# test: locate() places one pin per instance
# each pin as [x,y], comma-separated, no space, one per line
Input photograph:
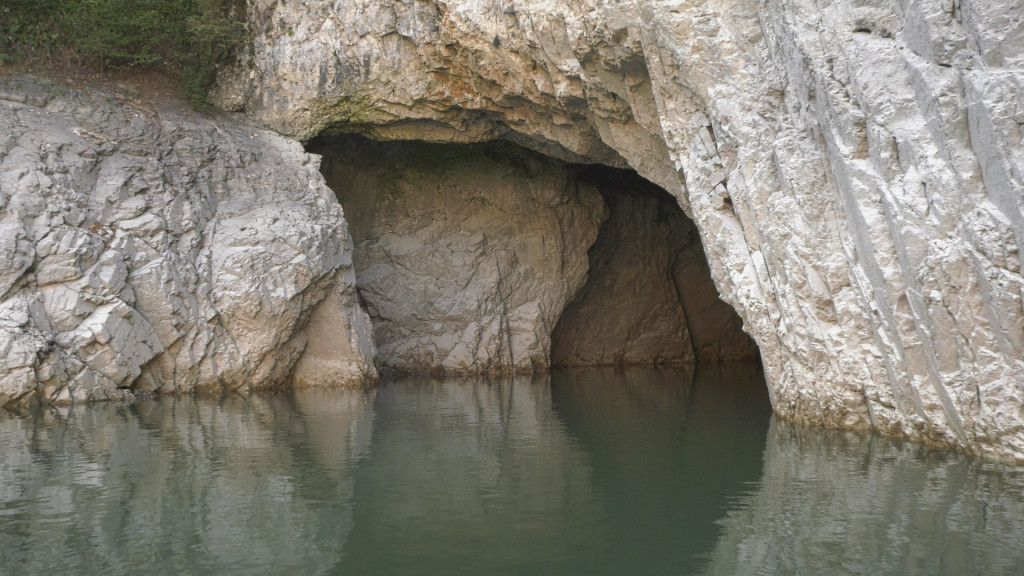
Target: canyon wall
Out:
[854,168]
[158,251]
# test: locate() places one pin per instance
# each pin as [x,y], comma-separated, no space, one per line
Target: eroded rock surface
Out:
[854,168]
[144,250]
[465,256]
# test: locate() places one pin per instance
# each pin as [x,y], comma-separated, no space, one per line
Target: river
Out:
[596,471]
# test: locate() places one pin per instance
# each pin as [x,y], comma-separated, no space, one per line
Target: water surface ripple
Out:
[579,472]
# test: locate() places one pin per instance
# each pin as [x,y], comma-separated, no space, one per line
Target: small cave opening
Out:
[491,258]
[649,299]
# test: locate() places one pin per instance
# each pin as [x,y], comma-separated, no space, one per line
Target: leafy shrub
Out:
[24,25]
[187,37]
[216,36]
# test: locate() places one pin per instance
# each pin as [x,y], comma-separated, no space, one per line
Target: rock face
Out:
[649,299]
[465,256]
[160,251]
[854,168]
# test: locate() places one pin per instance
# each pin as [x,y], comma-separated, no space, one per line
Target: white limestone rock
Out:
[162,251]
[855,169]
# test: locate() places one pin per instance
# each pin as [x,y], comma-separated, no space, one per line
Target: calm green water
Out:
[582,472]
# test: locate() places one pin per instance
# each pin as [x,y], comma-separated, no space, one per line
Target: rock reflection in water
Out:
[581,472]
[834,502]
[588,471]
[472,476]
[670,449]
[241,486]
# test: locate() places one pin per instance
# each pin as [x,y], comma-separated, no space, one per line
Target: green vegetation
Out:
[188,38]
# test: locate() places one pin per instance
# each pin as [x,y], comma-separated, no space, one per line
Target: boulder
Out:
[149,249]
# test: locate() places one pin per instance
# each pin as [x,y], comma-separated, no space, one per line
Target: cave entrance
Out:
[491,258]
[649,299]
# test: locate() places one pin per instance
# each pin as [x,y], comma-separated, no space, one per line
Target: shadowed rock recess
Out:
[490,258]
[649,298]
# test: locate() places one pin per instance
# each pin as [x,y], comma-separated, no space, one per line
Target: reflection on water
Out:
[668,452]
[835,502]
[594,471]
[242,486]
[472,477]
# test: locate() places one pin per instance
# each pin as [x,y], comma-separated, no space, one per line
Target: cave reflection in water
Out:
[584,471]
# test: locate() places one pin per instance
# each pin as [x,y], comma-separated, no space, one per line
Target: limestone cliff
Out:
[145,250]
[855,168]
